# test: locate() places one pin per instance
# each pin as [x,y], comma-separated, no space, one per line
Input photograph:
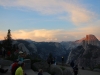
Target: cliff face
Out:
[75,54]
[88,54]
[90,57]
[87,58]
[90,39]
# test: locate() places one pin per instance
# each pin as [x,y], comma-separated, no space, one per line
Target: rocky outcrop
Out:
[58,70]
[22,47]
[75,54]
[89,57]
[40,65]
[90,39]
[87,53]
[27,64]
[33,47]
[5,62]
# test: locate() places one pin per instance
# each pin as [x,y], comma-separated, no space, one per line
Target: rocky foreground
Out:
[81,72]
[54,68]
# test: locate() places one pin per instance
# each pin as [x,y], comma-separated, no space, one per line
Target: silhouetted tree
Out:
[7,42]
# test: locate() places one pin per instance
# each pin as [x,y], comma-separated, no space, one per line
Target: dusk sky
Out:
[50,20]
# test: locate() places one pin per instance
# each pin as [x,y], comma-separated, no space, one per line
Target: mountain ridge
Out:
[58,49]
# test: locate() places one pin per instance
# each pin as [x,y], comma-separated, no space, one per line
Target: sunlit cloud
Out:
[53,35]
[69,10]
[72,10]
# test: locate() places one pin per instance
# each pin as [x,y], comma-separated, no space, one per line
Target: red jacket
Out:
[14,66]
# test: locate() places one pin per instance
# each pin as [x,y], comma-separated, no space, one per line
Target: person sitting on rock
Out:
[20,57]
[14,67]
[19,70]
[40,72]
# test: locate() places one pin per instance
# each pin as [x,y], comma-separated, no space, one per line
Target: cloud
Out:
[80,16]
[54,35]
[67,9]
[37,35]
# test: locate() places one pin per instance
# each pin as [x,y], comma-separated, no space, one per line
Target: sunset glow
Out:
[50,20]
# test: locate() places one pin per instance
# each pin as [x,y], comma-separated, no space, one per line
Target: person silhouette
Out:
[75,69]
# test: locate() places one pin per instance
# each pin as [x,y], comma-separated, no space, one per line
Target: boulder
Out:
[5,62]
[40,65]
[27,64]
[67,72]
[55,70]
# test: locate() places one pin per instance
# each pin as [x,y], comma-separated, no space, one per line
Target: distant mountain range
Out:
[78,51]
[43,49]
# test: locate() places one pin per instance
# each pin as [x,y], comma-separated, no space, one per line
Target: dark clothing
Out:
[75,69]
[40,73]
[14,67]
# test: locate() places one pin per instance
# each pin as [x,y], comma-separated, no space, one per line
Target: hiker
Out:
[20,57]
[40,72]
[3,70]
[19,70]
[75,70]
[14,67]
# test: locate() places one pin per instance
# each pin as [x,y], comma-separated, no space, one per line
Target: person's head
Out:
[21,53]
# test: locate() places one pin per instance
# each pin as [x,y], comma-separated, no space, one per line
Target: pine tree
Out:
[7,42]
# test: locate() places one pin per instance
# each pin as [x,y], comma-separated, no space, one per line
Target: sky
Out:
[50,20]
